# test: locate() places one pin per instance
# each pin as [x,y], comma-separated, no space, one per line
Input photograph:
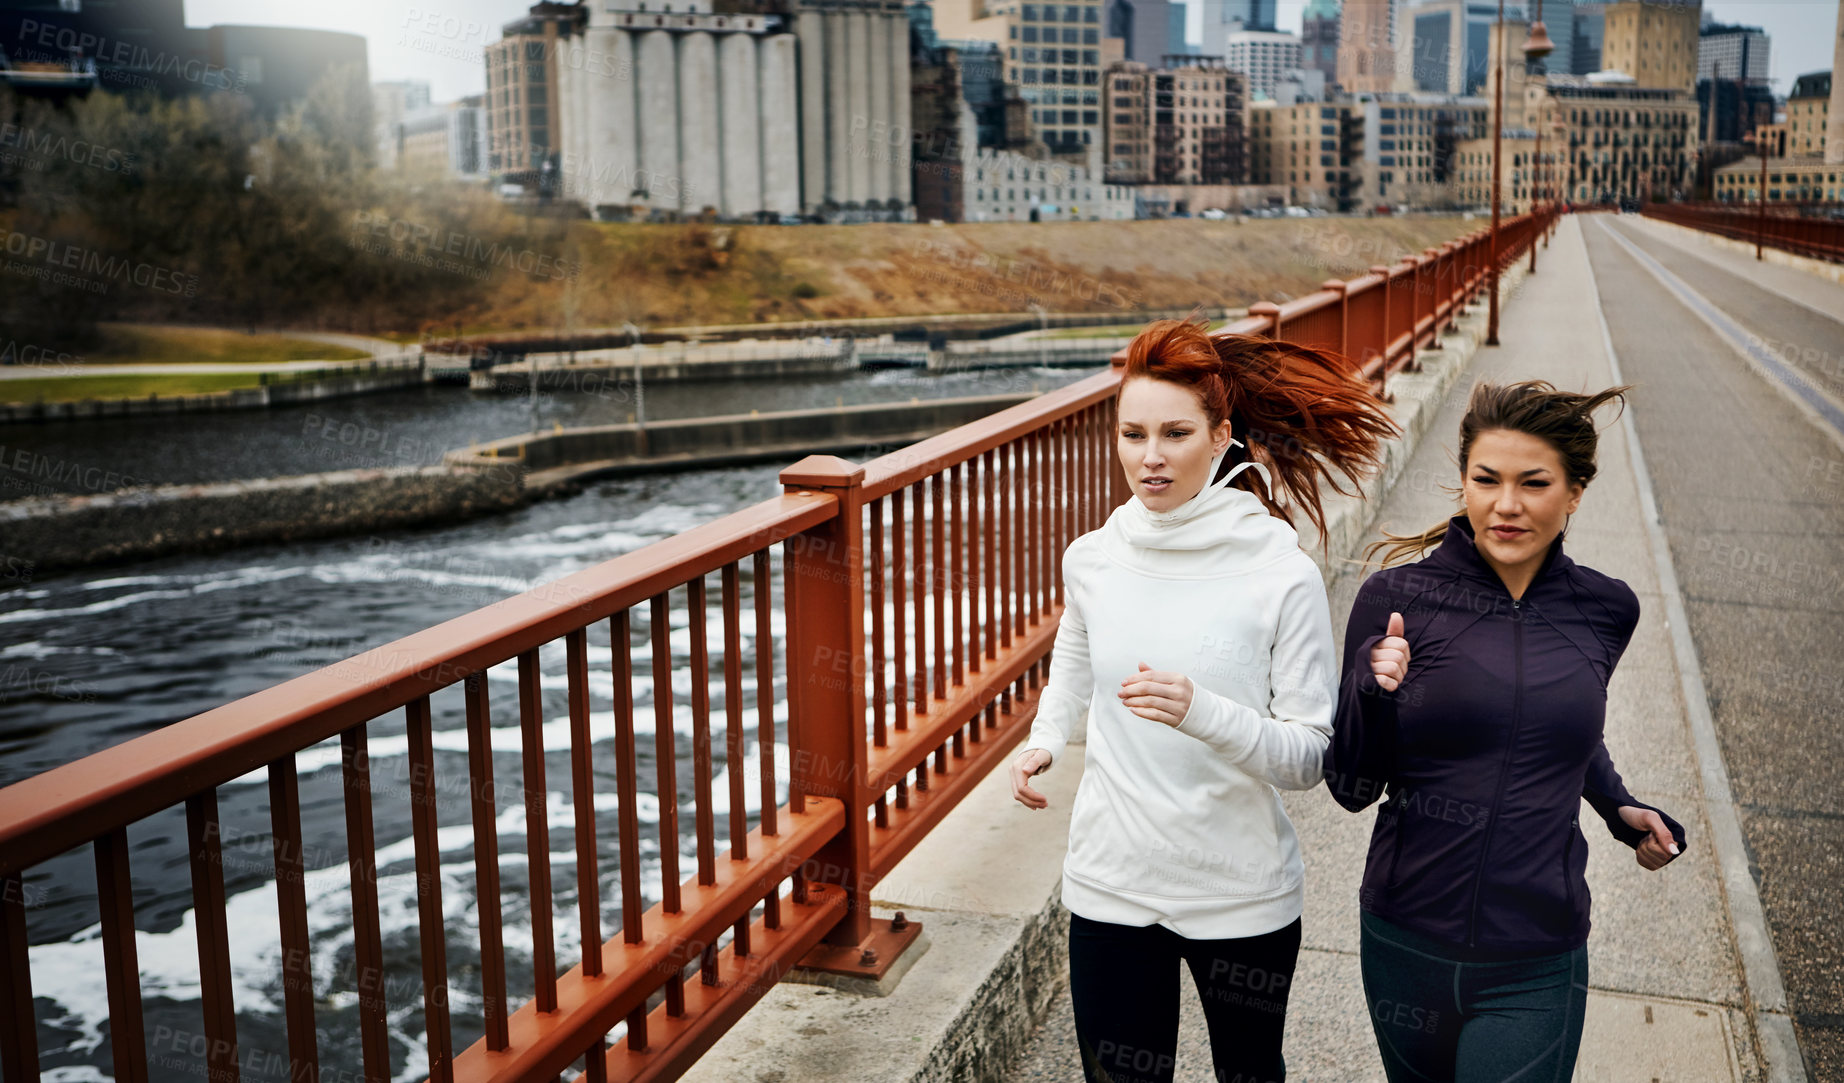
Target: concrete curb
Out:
[1775,1041]
[987,882]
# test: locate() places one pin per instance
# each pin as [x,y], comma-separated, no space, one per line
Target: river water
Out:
[92,658]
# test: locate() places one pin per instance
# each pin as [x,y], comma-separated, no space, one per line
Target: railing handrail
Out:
[895,470]
[67,806]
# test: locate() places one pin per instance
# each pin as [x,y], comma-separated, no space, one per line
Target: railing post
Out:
[1382,272]
[1270,311]
[826,672]
[1337,285]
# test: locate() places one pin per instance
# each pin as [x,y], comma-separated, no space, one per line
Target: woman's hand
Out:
[1032,761]
[1389,659]
[1160,696]
[1658,849]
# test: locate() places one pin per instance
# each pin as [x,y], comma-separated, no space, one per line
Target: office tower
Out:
[1260,55]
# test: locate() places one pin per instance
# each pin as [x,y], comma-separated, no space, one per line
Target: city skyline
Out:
[442,41]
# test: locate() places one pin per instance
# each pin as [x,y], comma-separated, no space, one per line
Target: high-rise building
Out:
[1808,110]
[1451,44]
[1367,46]
[522,73]
[1144,27]
[1261,56]
[1175,126]
[1655,43]
[1587,37]
[1319,38]
[1223,16]
[1176,42]
[1739,52]
[1054,54]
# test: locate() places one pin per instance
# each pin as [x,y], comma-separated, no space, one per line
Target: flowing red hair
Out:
[1302,410]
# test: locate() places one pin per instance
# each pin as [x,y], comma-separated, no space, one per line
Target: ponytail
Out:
[1300,409]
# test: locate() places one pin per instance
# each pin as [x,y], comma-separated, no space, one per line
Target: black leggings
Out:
[1124,982]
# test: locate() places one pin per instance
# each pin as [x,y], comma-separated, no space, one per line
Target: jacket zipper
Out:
[1504,768]
[1568,865]
[1402,809]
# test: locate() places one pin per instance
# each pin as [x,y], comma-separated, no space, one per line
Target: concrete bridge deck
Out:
[1747,487]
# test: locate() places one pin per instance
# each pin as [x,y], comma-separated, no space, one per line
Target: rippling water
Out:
[90,659]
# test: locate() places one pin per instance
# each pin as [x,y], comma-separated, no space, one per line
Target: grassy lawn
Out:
[74,388]
[130,343]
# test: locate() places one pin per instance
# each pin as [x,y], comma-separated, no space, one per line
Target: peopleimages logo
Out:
[117,54]
[53,254]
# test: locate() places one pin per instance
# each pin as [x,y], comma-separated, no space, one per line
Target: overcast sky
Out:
[441,40]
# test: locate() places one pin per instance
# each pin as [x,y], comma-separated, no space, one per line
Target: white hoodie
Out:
[1183,826]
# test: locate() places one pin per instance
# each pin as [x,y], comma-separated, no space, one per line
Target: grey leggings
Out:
[1439,1019]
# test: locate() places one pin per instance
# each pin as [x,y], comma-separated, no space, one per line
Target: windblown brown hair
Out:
[1562,419]
[1303,410]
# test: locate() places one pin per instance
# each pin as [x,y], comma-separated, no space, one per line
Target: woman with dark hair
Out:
[1196,607]
[1473,699]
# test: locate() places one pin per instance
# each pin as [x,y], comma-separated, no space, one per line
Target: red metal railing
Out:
[921,593]
[1793,227]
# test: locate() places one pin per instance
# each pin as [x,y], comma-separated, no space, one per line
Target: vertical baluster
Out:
[1033,543]
[976,575]
[938,579]
[291,906]
[1008,546]
[735,757]
[214,969]
[1067,437]
[921,598]
[362,870]
[991,522]
[879,732]
[429,890]
[486,859]
[957,491]
[582,794]
[765,688]
[18,1024]
[703,821]
[115,898]
[899,625]
[537,832]
[627,792]
[663,758]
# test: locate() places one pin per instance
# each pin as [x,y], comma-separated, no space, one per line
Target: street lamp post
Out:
[1498,118]
[1760,229]
[1537,46]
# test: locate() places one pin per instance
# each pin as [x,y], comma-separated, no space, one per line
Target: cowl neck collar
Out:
[1220,523]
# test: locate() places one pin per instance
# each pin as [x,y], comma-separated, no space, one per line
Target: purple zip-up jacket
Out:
[1485,751]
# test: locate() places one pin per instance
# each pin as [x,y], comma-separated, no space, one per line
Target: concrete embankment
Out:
[57,532]
[49,533]
[562,459]
[363,379]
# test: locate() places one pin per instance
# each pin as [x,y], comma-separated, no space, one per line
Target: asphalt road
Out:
[1751,491]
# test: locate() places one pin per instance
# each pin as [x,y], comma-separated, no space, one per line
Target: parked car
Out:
[1215,214]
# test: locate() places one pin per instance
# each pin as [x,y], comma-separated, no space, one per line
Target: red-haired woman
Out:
[1196,608]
